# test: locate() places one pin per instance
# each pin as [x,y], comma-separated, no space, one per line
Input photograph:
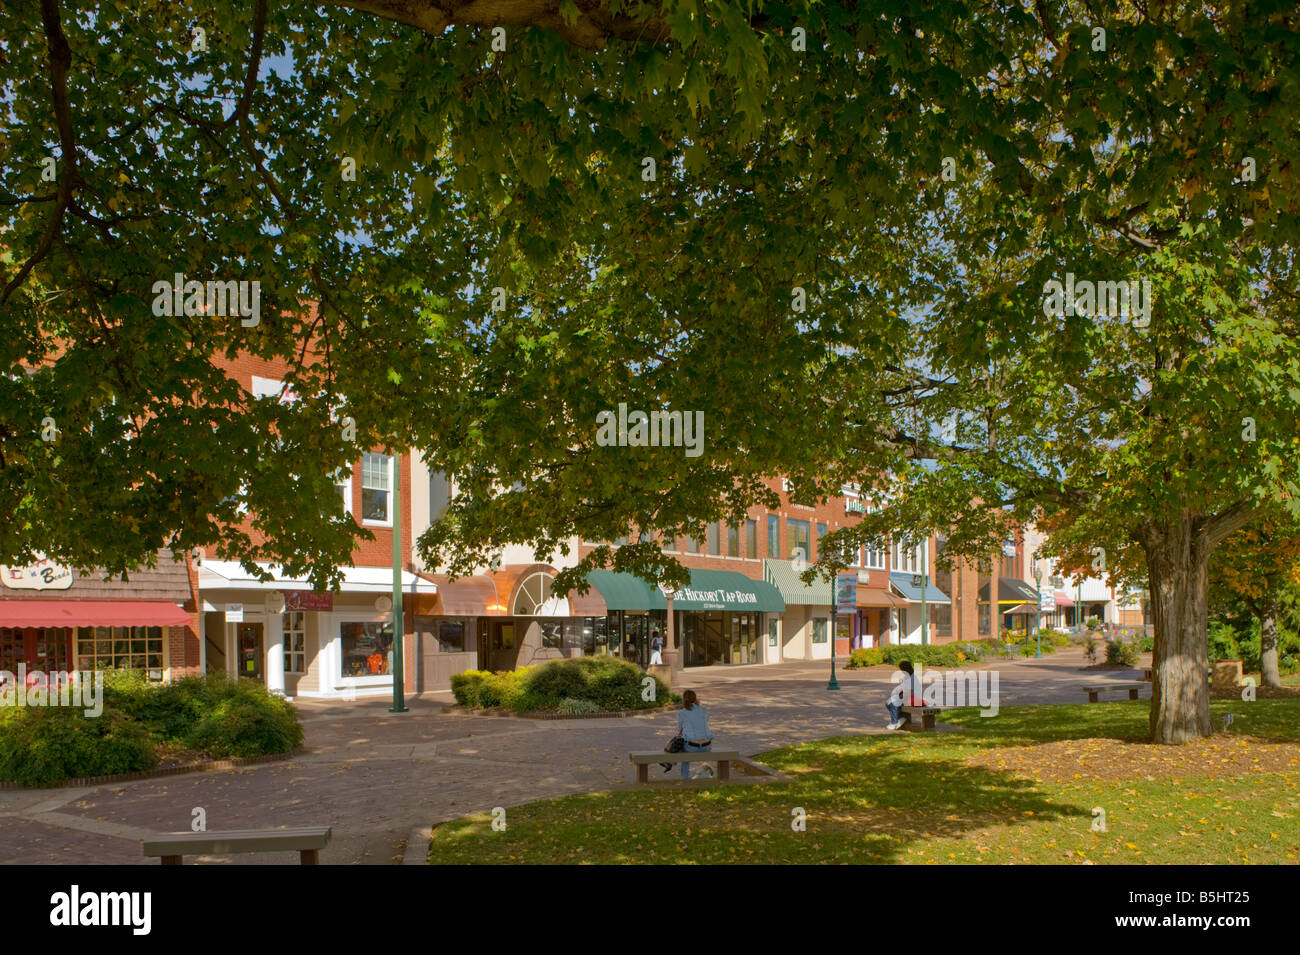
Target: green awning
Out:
[903,584]
[782,575]
[728,590]
[708,590]
[626,591]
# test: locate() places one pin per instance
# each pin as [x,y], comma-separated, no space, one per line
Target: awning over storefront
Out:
[903,584]
[708,590]
[1011,590]
[1063,600]
[869,597]
[463,597]
[230,575]
[91,613]
[782,575]
[728,590]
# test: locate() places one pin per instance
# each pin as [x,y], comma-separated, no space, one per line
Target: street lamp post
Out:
[920,580]
[1038,621]
[399,622]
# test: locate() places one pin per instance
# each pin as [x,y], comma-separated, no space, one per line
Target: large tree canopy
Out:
[826,226]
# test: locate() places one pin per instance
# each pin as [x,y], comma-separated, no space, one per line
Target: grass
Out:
[1020,787]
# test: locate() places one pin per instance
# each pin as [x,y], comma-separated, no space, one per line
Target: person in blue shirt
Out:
[693,728]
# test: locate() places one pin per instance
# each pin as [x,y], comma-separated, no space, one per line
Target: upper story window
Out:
[909,559]
[733,541]
[773,537]
[376,488]
[714,549]
[751,539]
[798,539]
[821,534]
[342,479]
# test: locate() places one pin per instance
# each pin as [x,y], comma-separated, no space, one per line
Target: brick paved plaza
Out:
[375,776]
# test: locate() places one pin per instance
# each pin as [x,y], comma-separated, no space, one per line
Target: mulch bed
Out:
[1111,759]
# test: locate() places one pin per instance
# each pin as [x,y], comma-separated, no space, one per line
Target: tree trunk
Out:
[1268,671]
[1178,563]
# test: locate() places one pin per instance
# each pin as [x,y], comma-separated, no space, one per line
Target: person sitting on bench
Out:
[693,728]
[907,693]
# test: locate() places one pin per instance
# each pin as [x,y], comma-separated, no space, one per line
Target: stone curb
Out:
[206,766]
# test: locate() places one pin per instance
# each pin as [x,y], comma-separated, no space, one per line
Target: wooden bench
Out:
[927,714]
[1092,689]
[1146,674]
[173,846]
[723,757]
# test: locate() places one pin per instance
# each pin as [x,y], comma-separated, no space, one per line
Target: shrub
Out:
[41,746]
[1120,653]
[572,706]
[607,682]
[941,655]
[1057,638]
[1090,649]
[1146,644]
[238,718]
[866,657]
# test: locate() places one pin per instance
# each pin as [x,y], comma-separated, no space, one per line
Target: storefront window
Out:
[367,649]
[819,630]
[112,648]
[451,636]
[295,642]
[553,634]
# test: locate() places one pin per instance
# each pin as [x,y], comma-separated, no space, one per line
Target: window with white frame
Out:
[376,488]
[908,559]
[342,479]
[873,556]
[295,642]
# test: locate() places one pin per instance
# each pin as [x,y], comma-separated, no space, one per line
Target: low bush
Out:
[1058,638]
[865,657]
[1122,654]
[573,707]
[610,684]
[215,716]
[41,746]
[1090,649]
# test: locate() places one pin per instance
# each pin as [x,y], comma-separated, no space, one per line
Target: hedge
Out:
[214,716]
[934,655]
[606,682]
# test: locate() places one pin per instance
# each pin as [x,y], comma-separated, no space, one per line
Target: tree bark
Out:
[1268,670]
[1178,556]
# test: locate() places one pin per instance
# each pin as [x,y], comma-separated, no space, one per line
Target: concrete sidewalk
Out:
[374,776]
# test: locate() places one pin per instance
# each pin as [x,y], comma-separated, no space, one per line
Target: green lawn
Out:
[907,797]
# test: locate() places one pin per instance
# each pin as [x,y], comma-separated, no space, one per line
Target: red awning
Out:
[92,613]
[1062,600]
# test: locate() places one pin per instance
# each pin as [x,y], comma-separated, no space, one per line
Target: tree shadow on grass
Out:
[862,799]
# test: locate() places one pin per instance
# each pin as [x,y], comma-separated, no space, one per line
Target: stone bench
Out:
[723,757]
[1092,689]
[307,841]
[927,715]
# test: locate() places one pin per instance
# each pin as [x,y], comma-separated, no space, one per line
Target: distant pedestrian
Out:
[907,693]
[656,647]
[693,728]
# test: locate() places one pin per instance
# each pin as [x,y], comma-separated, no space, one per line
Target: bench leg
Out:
[172,860]
[1133,693]
[724,769]
[643,772]
[309,856]
[1092,696]
[927,722]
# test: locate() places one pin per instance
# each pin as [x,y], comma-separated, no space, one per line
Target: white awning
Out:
[229,575]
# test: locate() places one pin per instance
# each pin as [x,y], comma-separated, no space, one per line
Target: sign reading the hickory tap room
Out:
[42,575]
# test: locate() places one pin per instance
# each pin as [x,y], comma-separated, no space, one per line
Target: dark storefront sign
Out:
[308,600]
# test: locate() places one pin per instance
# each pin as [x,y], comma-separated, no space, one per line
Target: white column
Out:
[275,652]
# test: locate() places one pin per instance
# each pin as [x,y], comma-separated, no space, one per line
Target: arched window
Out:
[533,594]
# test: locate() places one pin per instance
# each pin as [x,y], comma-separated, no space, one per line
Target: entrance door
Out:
[249,656]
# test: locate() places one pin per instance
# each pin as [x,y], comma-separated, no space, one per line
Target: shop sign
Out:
[308,600]
[1047,599]
[234,613]
[854,505]
[42,575]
